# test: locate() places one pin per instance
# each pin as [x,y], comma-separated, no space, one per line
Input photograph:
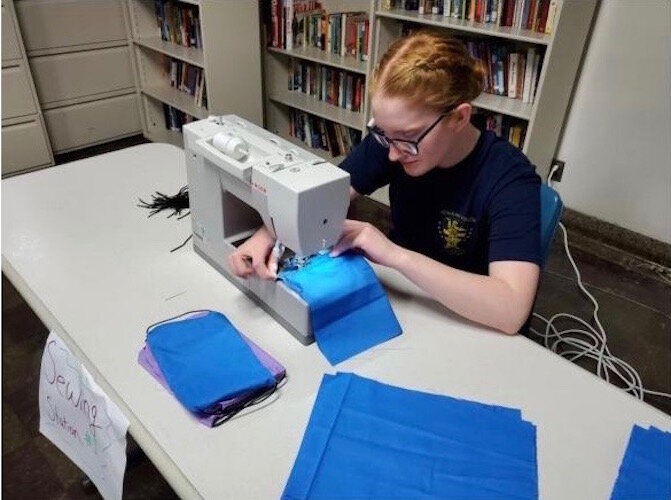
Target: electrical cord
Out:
[226,414]
[590,342]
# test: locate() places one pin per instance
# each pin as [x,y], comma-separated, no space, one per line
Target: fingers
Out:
[344,244]
[351,230]
[240,264]
[261,268]
[273,262]
[249,258]
[245,266]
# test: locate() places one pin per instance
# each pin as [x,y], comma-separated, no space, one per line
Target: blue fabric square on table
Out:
[369,439]
[349,309]
[205,360]
[645,471]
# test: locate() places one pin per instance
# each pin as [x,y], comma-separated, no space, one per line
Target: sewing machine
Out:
[241,176]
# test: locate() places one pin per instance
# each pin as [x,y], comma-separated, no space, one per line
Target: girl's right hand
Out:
[255,256]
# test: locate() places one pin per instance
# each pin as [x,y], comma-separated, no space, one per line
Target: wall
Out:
[617,138]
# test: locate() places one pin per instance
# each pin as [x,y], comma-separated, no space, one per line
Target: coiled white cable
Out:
[591,342]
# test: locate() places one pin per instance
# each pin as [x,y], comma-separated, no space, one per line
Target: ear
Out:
[461,116]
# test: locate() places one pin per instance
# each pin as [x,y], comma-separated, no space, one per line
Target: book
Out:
[288,24]
[447,8]
[549,22]
[528,74]
[274,24]
[351,28]
[512,75]
[542,16]
[521,66]
[534,76]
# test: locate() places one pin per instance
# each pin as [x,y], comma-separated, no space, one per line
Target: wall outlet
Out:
[557,175]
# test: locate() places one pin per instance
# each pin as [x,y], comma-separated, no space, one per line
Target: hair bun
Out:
[429,68]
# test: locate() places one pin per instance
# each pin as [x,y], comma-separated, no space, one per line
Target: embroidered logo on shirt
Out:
[454,230]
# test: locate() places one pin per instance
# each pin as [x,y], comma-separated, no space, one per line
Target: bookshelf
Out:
[216,50]
[543,117]
[279,62]
[562,50]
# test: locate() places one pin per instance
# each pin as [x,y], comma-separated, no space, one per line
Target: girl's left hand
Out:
[370,240]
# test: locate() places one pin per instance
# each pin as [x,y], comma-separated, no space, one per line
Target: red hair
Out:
[429,69]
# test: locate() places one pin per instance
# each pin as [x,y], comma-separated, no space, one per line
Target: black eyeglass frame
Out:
[388,141]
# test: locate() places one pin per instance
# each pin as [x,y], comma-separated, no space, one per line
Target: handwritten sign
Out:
[81,420]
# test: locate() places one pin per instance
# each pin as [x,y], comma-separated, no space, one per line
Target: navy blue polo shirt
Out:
[484,209]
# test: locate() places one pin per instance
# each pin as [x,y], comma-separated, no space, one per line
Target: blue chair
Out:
[551,211]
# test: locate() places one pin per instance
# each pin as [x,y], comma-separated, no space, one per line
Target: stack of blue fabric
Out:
[646,469]
[212,369]
[367,439]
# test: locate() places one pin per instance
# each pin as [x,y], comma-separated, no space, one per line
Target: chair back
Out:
[551,211]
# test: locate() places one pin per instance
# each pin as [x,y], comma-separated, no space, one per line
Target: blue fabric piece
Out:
[369,439]
[205,360]
[349,309]
[646,468]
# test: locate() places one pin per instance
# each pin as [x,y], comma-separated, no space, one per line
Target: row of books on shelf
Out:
[505,126]
[508,72]
[303,23]
[178,23]
[339,88]
[323,134]
[174,118]
[535,15]
[188,78]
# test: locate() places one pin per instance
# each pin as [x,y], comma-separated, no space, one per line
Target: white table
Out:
[98,272]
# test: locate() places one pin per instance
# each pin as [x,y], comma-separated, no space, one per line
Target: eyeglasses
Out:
[403,145]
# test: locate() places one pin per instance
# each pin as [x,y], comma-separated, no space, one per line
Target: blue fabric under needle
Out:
[349,309]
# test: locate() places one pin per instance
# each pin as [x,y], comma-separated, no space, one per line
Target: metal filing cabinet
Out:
[80,59]
[25,145]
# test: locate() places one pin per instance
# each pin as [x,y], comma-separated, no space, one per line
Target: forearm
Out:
[484,299]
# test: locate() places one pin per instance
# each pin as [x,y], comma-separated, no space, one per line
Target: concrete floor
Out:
[634,298]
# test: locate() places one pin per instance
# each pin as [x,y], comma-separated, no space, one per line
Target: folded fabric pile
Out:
[367,439]
[209,366]
[646,469]
[349,309]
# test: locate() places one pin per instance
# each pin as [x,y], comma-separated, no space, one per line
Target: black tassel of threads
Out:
[177,203]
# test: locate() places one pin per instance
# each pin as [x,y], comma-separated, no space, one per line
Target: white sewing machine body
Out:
[241,176]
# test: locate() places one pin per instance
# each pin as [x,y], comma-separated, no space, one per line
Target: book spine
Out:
[534,76]
[528,72]
[288,25]
[521,62]
[343,34]
[552,11]
[512,75]
[471,10]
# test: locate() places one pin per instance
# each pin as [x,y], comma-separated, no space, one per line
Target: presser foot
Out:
[292,262]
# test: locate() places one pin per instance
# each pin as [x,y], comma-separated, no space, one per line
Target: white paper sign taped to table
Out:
[81,420]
